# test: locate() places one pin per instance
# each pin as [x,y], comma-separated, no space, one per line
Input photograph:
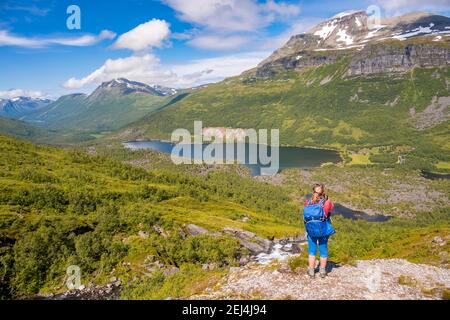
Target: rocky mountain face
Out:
[125,86]
[394,45]
[393,279]
[18,107]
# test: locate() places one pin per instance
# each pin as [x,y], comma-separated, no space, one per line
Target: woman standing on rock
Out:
[316,215]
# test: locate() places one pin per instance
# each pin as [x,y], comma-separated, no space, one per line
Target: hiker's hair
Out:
[318,185]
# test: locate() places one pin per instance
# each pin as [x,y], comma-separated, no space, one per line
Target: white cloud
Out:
[8,39]
[399,6]
[144,36]
[218,42]
[148,69]
[235,15]
[232,20]
[14,93]
[301,26]
[201,71]
[139,68]
[281,9]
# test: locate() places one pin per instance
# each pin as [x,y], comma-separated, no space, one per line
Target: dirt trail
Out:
[370,279]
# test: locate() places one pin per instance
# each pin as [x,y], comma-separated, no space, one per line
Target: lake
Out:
[290,157]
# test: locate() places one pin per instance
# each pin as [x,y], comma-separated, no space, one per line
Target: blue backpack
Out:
[317,224]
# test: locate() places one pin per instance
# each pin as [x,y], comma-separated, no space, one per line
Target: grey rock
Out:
[143,234]
[194,230]
[243,261]
[250,241]
[437,240]
[170,271]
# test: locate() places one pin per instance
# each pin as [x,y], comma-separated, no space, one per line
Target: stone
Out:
[209,266]
[295,249]
[143,234]
[243,261]
[250,241]
[194,230]
[169,271]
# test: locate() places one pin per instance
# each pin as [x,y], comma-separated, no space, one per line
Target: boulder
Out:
[251,241]
[169,271]
[194,230]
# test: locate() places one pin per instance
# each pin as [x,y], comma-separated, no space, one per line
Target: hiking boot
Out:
[311,272]
[323,272]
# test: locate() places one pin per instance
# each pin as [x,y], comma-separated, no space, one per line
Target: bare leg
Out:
[312,261]
[323,262]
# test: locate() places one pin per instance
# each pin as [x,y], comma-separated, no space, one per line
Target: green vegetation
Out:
[65,207]
[102,114]
[80,118]
[348,114]
[21,129]
[59,208]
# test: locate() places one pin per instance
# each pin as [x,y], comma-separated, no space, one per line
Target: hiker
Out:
[316,216]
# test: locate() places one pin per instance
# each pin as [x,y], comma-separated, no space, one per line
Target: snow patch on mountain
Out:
[344,37]
[326,30]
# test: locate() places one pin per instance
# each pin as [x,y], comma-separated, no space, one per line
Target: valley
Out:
[366,112]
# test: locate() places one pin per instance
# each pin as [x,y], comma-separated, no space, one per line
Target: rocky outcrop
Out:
[436,113]
[109,291]
[253,243]
[394,279]
[250,241]
[384,58]
[297,62]
[194,230]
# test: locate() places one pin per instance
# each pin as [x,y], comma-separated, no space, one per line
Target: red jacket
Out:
[327,207]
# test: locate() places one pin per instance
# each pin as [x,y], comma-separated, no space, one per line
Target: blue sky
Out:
[179,43]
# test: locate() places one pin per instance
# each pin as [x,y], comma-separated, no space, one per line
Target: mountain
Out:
[112,105]
[20,129]
[374,48]
[124,86]
[20,106]
[385,93]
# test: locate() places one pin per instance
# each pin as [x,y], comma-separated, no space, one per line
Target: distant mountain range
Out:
[20,106]
[112,105]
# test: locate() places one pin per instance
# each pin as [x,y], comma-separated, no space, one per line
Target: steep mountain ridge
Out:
[110,106]
[20,106]
[353,34]
[125,86]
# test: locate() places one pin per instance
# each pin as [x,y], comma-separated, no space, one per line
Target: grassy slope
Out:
[59,208]
[21,129]
[79,115]
[344,113]
[54,203]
